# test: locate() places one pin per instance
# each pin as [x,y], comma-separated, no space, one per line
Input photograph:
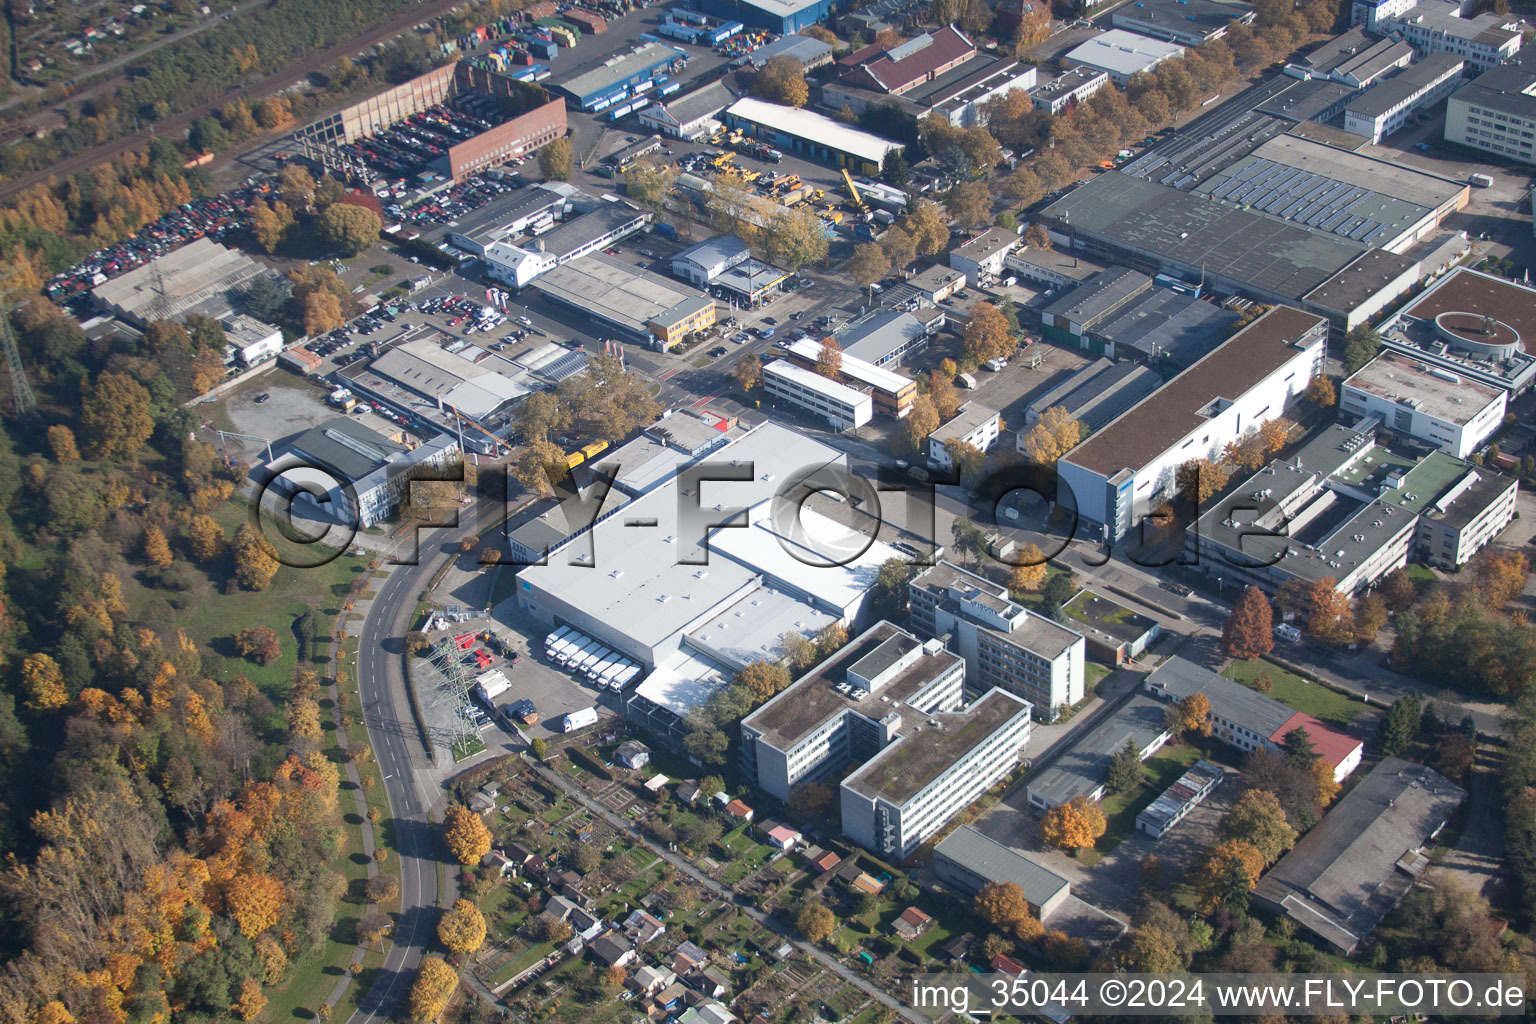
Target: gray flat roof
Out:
[614,290]
[1148,429]
[1036,633]
[1100,391]
[997,863]
[988,243]
[753,628]
[202,278]
[1111,618]
[490,219]
[1360,281]
[1099,295]
[814,698]
[1344,876]
[1055,261]
[802,48]
[1162,323]
[1400,87]
[1233,701]
[349,448]
[1502,88]
[1264,252]
[1182,15]
[927,749]
[580,231]
[1083,766]
[970,416]
[1123,53]
[619,68]
[875,338]
[702,102]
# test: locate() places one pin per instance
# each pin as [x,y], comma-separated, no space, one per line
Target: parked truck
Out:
[578,720]
[965,380]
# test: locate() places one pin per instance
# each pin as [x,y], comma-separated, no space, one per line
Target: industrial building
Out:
[1004,644]
[1123,470]
[891,393]
[886,336]
[596,229]
[533,118]
[1352,868]
[811,53]
[1119,314]
[1116,634]
[202,278]
[1094,395]
[1075,85]
[527,211]
[1357,59]
[701,263]
[1356,294]
[1472,324]
[1247,719]
[810,135]
[934,72]
[354,476]
[981,258]
[898,69]
[974,424]
[966,860]
[1050,267]
[781,17]
[691,114]
[1082,768]
[249,341]
[1496,112]
[1122,55]
[618,77]
[641,305]
[1425,403]
[1348,509]
[1387,106]
[1186,22]
[841,406]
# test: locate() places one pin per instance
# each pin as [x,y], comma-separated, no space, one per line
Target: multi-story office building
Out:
[895,706]
[1483,41]
[840,405]
[974,424]
[1004,644]
[1386,107]
[912,788]
[1425,403]
[849,708]
[1074,85]
[892,393]
[1496,112]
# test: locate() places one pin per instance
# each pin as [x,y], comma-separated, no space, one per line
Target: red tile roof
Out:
[1006,965]
[826,862]
[1332,746]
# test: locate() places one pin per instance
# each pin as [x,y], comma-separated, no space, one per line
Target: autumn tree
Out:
[1029,574]
[157,551]
[748,371]
[1053,435]
[42,682]
[1190,715]
[1329,615]
[1199,480]
[1002,905]
[1321,392]
[272,224]
[1249,629]
[814,922]
[258,643]
[912,435]
[274,112]
[251,1001]
[297,186]
[540,467]
[868,264]
[1257,818]
[206,537]
[795,238]
[900,247]
[762,679]
[430,992]
[1037,237]
[966,458]
[555,159]
[970,204]
[1500,575]
[465,834]
[987,335]
[782,80]
[348,229]
[1227,875]
[928,226]
[1074,825]
[255,901]
[61,443]
[649,184]
[943,393]
[256,561]
[462,928]
[1370,616]
[115,414]
[811,799]
[322,313]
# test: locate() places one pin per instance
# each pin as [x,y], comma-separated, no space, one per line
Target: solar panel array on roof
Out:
[1302,197]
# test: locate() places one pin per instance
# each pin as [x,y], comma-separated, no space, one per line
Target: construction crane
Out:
[853,193]
[496,442]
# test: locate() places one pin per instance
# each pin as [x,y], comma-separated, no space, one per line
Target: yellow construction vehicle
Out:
[855,200]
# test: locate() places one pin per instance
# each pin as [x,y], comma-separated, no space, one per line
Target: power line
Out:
[21,389]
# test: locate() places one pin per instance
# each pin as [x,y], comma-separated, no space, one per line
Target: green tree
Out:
[1400,726]
[1058,591]
[1297,747]
[1361,347]
[264,298]
[348,229]
[893,169]
[889,594]
[1125,770]
[538,747]
[555,159]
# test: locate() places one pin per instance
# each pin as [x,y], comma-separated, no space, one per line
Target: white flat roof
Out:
[859,369]
[808,125]
[1123,53]
[750,629]
[803,552]
[684,682]
[813,381]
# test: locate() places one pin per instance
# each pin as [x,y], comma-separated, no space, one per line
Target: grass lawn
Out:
[520,963]
[1093,675]
[1422,575]
[1295,692]
[1162,770]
